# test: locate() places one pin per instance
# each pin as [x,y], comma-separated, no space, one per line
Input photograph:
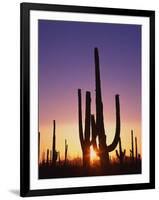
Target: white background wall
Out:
[10,103]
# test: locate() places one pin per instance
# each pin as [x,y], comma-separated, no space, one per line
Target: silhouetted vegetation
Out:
[74,168]
[121,154]
[93,134]
[103,149]
[54,152]
[85,137]
[66,149]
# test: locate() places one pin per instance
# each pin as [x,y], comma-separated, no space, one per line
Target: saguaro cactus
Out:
[54,152]
[85,136]
[132,146]
[94,135]
[104,149]
[66,150]
[121,154]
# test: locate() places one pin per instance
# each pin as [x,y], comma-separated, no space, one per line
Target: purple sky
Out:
[66,63]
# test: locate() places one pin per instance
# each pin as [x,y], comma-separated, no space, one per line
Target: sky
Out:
[66,63]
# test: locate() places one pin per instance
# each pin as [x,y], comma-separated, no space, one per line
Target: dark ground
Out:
[76,170]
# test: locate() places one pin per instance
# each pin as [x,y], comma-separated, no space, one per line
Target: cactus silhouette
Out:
[136,151]
[59,157]
[54,152]
[94,135]
[98,128]
[47,157]
[66,150]
[50,156]
[132,146]
[121,154]
[85,136]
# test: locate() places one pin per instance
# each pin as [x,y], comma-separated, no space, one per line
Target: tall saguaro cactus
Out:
[54,152]
[104,149]
[121,154]
[85,135]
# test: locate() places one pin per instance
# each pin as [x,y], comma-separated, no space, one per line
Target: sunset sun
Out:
[93,154]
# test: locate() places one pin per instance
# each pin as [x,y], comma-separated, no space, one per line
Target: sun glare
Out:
[93,154]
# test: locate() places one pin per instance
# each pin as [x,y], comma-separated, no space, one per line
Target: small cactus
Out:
[136,150]
[121,154]
[132,146]
[66,150]
[59,157]
[47,157]
[50,156]
[54,152]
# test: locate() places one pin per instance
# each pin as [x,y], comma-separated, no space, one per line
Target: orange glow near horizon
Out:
[93,155]
[67,127]
[70,132]
[66,59]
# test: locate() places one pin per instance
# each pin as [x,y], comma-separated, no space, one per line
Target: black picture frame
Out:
[25,9]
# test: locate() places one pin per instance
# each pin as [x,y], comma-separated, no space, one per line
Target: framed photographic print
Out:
[87,99]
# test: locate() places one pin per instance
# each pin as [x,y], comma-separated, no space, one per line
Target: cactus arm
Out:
[87,118]
[84,136]
[94,134]
[80,118]
[120,148]
[113,145]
